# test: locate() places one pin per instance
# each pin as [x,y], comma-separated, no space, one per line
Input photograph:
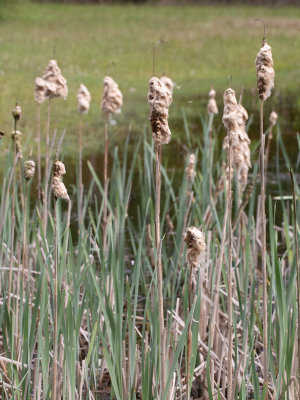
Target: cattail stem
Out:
[298,268]
[104,219]
[229,204]
[45,213]
[12,237]
[80,199]
[189,338]
[159,274]
[55,333]
[270,135]
[264,251]
[25,233]
[38,123]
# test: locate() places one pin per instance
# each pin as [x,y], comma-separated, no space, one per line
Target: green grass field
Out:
[205,45]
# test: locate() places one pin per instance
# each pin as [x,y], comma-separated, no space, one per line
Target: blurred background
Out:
[207,44]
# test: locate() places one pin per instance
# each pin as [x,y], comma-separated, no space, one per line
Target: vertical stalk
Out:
[189,339]
[12,237]
[159,274]
[229,204]
[80,172]
[38,123]
[270,135]
[45,208]
[298,269]
[263,240]
[104,219]
[54,386]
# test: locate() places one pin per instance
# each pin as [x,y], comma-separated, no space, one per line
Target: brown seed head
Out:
[55,83]
[39,90]
[190,169]
[264,71]
[17,136]
[29,169]
[159,99]
[112,99]
[57,185]
[196,246]
[83,99]
[17,112]
[212,107]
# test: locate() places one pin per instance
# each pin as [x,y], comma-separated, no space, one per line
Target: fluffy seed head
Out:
[190,169]
[17,112]
[212,107]
[196,246]
[229,115]
[273,118]
[54,83]
[17,136]
[39,90]
[84,99]
[57,185]
[168,84]
[264,71]
[112,99]
[159,99]
[29,169]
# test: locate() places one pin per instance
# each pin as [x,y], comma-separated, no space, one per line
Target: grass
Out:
[107,335]
[206,44]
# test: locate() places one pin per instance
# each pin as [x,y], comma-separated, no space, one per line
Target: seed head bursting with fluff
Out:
[17,136]
[51,85]
[83,99]
[29,169]
[57,185]
[160,98]
[234,119]
[212,107]
[168,84]
[112,99]
[264,71]
[273,118]
[196,246]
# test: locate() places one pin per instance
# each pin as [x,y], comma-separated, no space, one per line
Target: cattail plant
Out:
[55,85]
[29,171]
[39,96]
[273,120]
[17,153]
[59,191]
[83,105]
[196,247]
[160,98]
[112,101]
[230,121]
[265,83]
[212,108]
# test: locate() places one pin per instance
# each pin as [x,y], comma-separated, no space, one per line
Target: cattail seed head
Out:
[168,84]
[17,136]
[29,169]
[264,71]
[196,246]
[112,99]
[273,118]
[159,99]
[57,185]
[17,112]
[190,169]
[229,115]
[83,99]
[212,107]
[55,83]
[39,90]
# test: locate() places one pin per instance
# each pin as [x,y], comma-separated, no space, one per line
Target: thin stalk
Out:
[12,237]
[45,207]
[159,274]
[25,255]
[104,219]
[229,204]
[80,172]
[270,135]
[189,338]
[264,250]
[38,124]
[298,268]
[54,386]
